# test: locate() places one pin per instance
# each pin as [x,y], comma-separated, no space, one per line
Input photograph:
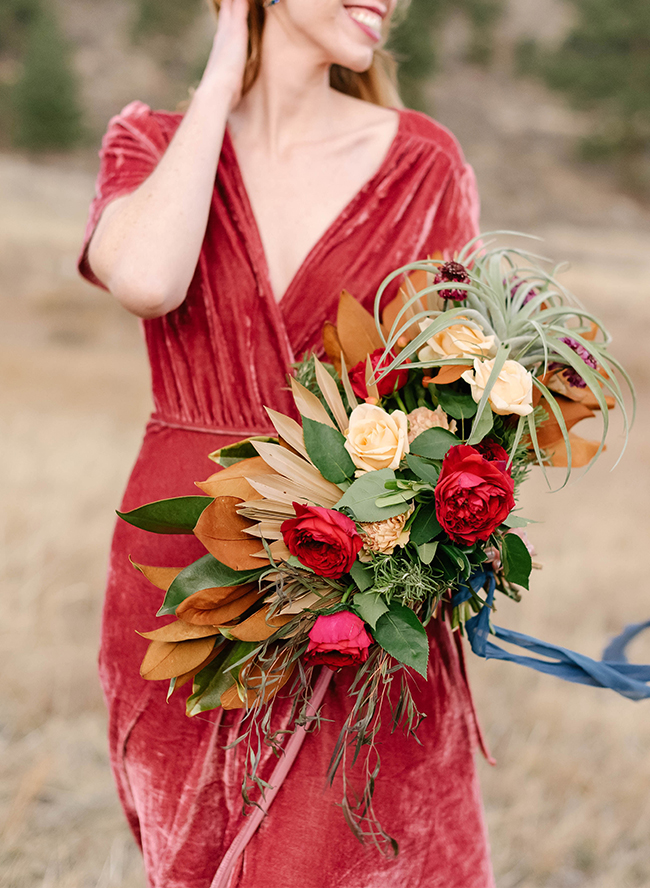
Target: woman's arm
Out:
[147,243]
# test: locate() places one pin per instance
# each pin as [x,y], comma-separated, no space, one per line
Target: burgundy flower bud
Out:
[572,376]
[453,273]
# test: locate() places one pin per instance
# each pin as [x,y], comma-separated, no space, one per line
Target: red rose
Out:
[338,640]
[322,539]
[473,495]
[387,385]
[493,452]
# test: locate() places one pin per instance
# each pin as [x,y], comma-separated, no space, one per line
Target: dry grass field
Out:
[568,803]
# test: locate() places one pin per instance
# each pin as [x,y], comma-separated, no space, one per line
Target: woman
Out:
[231,230]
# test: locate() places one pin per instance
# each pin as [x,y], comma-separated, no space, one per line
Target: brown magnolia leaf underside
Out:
[201,609]
[450,373]
[162,577]
[189,676]
[180,630]
[582,452]
[258,627]
[356,330]
[165,660]
[332,345]
[231,481]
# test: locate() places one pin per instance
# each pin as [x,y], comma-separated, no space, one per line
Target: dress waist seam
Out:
[156,420]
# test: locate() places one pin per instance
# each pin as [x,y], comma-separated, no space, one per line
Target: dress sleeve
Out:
[457,219]
[131,148]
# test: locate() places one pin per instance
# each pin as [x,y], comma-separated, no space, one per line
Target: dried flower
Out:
[422,419]
[383,536]
[572,376]
[453,273]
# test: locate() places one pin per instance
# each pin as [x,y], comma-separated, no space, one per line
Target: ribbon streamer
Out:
[613,671]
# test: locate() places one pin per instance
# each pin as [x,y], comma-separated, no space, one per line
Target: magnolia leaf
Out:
[425,526]
[221,521]
[434,443]
[360,498]
[326,448]
[181,680]
[330,392]
[482,428]
[332,345]
[258,627]
[206,608]
[217,677]
[356,329]
[370,606]
[165,660]
[425,470]
[176,515]
[179,631]
[450,373]
[224,613]
[427,552]
[363,575]
[205,573]
[234,453]
[308,404]
[457,404]
[402,635]
[232,481]
[517,563]
[162,577]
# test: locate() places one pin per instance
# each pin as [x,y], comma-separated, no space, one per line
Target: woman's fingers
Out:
[230,48]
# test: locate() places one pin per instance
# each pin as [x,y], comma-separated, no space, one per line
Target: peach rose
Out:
[377,439]
[511,393]
[461,340]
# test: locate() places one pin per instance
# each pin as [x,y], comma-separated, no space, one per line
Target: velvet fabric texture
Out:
[215,362]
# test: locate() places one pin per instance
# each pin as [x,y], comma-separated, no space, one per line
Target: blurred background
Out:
[551,102]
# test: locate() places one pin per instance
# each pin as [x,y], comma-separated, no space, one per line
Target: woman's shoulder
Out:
[429,133]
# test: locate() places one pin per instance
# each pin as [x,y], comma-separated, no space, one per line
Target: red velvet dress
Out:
[215,361]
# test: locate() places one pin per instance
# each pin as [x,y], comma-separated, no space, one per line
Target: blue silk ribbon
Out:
[613,671]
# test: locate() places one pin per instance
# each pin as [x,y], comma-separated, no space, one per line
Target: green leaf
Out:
[360,497]
[427,552]
[517,563]
[402,635]
[483,427]
[456,404]
[515,521]
[217,677]
[424,469]
[434,443]
[176,515]
[234,453]
[425,526]
[363,575]
[370,606]
[325,446]
[206,573]
[296,562]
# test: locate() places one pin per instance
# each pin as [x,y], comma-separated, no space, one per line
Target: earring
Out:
[269,3]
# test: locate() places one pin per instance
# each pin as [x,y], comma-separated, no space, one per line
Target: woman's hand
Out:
[227,61]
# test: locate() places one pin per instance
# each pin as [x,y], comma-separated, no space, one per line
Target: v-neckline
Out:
[327,232]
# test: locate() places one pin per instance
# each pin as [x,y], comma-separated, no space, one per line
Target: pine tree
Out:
[45,99]
[603,65]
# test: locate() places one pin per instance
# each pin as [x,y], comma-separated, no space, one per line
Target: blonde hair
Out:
[377,85]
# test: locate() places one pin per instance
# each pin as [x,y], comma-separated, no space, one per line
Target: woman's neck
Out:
[291,100]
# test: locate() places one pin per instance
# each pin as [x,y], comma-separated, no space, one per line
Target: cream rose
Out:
[458,341]
[511,393]
[377,439]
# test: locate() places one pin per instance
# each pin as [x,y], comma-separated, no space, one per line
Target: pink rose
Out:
[337,640]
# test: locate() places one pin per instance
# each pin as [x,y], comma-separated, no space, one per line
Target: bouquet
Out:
[392,503]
